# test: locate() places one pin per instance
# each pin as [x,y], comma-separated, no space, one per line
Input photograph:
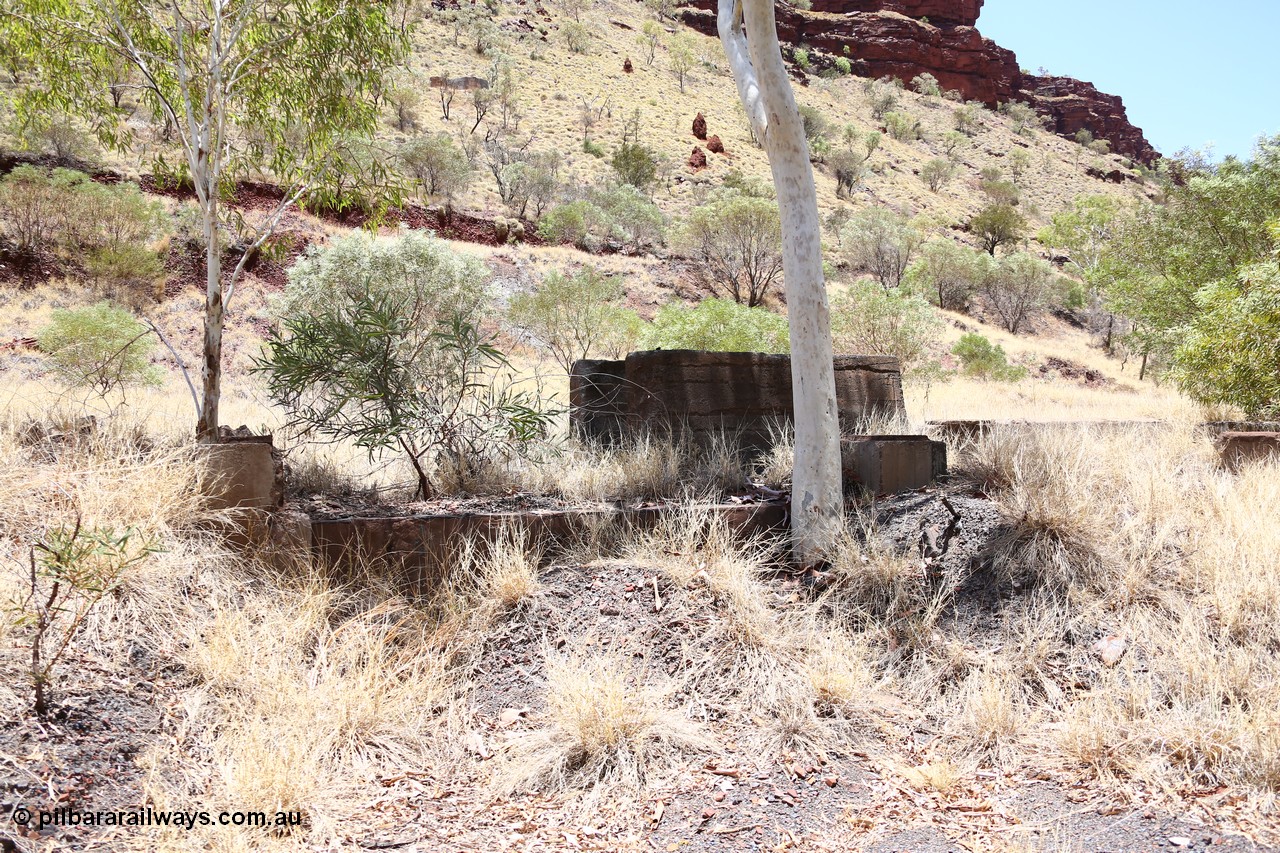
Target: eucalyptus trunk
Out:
[756,61]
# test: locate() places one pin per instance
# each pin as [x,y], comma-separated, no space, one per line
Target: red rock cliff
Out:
[903,38]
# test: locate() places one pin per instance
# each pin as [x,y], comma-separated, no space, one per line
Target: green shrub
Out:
[998,225]
[948,274]
[126,271]
[882,96]
[719,325]
[635,221]
[635,164]
[801,58]
[937,173]
[902,127]
[1018,288]
[926,84]
[816,125]
[1001,192]
[952,142]
[967,118]
[595,149]
[415,269]
[843,66]
[1024,118]
[867,319]
[735,245]
[982,359]
[578,316]
[881,242]
[438,165]
[100,347]
[580,223]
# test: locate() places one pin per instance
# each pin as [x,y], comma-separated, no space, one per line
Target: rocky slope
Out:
[903,38]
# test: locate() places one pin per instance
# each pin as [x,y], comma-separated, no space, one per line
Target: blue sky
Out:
[1189,73]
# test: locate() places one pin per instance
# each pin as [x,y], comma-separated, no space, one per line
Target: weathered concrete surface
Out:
[240,472]
[1238,449]
[418,553]
[705,395]
[964,430]
[888,464]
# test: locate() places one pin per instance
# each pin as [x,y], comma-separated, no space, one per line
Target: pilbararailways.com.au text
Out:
[149,817]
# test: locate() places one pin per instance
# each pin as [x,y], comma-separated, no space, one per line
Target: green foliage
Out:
[634,220]
[937,173]
[99,347]
[869,319]
[126,271]
[682,54]
[380,346]
[415,270]
[1001,192]
[1018,287]
[1019,162]
[581,223]
[926,84]
[749,185]
[952,142]
[843,66]
[968,118]
[735,244]
[577,37]
[439,166]
[590,146]
[882,96]
[1023,117]
[982,359]
[881,242]
[718,325]
[71,569]
[578,316]
[816,125]
[635,164]
[849,169]
[800,57]
[1196,277]
[1083,232]
[902,127]
[998,225]
[948,274]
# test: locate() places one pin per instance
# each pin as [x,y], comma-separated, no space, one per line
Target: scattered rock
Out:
[700,126]
[1111,649]
[626,66]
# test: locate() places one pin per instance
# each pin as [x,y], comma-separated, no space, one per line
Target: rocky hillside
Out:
[904,38]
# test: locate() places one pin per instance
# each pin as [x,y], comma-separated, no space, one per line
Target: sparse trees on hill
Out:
[937,173]
[948,274]
[232,79]
[578,316]
[438,165]
[735,241]
[682,54]
[1017,288]
[869,319]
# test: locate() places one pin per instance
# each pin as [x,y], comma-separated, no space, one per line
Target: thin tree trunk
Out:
[817,503]
[207,426]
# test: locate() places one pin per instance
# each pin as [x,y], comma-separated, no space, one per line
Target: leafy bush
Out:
[635,164]
[870,320]
[843,66]
[948,274]
[1024,118]
[1001,192]
[126,271]
[33,209]
[879,241]
[849,169]
[882,96]
[735,243]
[1018,288]
[998,225]
[415,270]
[952,142]
[926,84]
[634,220]
[982,359]
[816,125]
[801,57]
[581,223]
[967,118]
[937,173]
[99,347]
[719,325]
[437,164]
[595,149]
[902,127]
[578,316]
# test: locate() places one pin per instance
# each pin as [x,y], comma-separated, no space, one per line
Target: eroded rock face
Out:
[904,38]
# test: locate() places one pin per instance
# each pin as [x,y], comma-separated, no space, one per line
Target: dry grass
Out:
[604,728]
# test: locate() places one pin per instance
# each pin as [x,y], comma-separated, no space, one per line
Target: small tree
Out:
[578,316]
[718,325]
[635,221]
[937,173]
[926,84]
[634,163]
[735,242]
[883,97]
[952,142]
[869,319]
[682,52]
[948,274]
[879,241]
[1019,162]
[1023,117]
[967,118]
[1018,289]
[649,40]
[998,225]
[438,165]
[902,127]
[100,347]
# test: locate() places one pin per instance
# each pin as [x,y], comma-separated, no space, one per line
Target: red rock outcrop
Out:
[698,159]
[715,145]
[893,37]
[700,126]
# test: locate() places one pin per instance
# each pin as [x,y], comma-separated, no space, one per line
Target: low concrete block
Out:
[238,475]
[1237,449]
[597,400]
[887,464]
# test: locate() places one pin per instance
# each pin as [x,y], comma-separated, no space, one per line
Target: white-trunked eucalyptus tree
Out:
[273,86]
[750,37]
